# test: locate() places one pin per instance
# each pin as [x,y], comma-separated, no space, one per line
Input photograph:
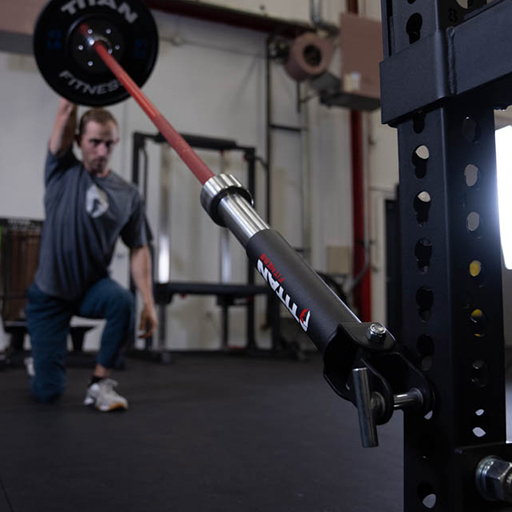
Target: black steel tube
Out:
[138,141]
[268,86]
[308,299]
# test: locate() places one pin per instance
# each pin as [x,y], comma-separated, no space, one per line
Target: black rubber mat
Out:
[209,433]
[4,502]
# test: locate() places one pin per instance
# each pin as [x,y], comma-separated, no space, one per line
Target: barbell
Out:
[97,53]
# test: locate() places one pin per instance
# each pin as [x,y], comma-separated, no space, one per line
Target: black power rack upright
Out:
[446,67]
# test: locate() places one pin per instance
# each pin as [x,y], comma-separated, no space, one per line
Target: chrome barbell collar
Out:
[216,189]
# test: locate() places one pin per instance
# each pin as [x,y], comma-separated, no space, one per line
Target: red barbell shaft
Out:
[201,171]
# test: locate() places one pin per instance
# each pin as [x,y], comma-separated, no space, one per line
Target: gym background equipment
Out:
[228,294]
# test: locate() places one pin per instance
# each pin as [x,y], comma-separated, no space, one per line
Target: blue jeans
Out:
[48,325]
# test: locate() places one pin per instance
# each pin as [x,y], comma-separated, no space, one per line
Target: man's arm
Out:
[140,264]
[63,133]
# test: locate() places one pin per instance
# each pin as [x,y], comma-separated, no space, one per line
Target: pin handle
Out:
[367,404]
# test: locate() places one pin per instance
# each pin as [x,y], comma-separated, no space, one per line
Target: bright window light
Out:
[504,167]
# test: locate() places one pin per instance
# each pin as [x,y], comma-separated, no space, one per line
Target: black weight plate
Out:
[85,55]
[78,74]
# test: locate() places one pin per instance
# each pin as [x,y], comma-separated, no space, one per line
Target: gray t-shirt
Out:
[85,215]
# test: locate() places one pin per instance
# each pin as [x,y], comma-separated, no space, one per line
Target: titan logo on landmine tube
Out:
[274,278]
[97,89]
[124,8]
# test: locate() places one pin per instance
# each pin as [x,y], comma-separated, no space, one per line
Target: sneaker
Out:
[101,396]
[29,365]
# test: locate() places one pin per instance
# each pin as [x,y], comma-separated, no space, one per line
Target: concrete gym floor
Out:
[209,433]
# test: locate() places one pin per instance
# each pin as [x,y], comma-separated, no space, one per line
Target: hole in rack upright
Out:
[413,27]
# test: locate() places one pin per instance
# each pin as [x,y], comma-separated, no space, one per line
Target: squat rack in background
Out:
[227,294]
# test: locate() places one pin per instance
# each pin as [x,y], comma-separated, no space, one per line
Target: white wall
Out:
[297,10]
[209,80]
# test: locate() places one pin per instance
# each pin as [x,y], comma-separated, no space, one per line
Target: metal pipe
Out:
[361,259]
[315,14]
[224,241]
[241,218]
[363,401]
[305,181]
[410,400]
[163,272]
[268,88]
